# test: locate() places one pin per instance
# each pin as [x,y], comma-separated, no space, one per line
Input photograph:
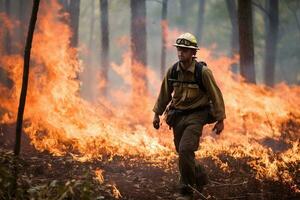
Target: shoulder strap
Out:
[198,74]
[173,75]
[174,72]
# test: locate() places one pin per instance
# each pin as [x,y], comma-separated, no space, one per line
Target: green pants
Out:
[187,132]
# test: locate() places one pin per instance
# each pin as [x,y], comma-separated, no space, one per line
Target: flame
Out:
[59,120]
[99,175]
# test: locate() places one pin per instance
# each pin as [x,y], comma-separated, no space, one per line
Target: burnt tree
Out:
[74,11]
[138,41]
[104,38]
[232,11]
[27,52]
[247,67]
[200,20]
[272,22]
[138,31]
[164,30]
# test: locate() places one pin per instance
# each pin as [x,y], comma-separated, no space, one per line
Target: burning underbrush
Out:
[259,146]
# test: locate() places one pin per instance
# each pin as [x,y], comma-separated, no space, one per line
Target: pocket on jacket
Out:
[177,90]
[192,91]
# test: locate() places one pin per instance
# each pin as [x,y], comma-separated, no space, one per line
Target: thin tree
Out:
[74,11]
[200,20]
[247,67]
[272,22]
[232,11]
[27,52]
[104,38]
[138,41]
[164,30]
[138,31]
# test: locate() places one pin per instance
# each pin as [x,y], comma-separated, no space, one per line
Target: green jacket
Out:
[188,96]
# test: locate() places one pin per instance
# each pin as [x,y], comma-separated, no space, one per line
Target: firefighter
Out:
[190,98]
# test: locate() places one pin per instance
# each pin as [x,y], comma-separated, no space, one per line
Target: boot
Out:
[201,177]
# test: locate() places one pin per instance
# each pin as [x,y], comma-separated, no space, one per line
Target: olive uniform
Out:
[188,128]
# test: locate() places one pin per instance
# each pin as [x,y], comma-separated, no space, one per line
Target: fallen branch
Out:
[225,185]
[200,194]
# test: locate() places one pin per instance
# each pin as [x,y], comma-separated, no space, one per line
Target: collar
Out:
[191,68]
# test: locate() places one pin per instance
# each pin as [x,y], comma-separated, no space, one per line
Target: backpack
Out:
[198,80]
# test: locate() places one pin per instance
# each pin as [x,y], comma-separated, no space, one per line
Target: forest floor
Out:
[44,176]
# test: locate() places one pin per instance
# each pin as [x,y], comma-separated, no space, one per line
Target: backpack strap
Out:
[174,72]
[174,75]
[198,75]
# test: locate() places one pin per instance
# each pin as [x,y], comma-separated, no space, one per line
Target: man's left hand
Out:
[219,126]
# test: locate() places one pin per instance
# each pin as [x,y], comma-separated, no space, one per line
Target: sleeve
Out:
[165,95]
[214,94]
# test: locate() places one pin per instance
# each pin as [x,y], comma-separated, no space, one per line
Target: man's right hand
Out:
[156,121]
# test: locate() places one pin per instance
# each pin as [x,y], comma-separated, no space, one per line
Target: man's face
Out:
[185,54]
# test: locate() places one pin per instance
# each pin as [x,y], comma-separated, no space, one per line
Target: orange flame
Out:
[99,175]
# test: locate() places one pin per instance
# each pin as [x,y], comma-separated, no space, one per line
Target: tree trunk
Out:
[138,45]
[104,39]
[27,52]
[74,10]
[232,11]
[164,32]
[138,31]
[200,20]
[271,41]
[247,67]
